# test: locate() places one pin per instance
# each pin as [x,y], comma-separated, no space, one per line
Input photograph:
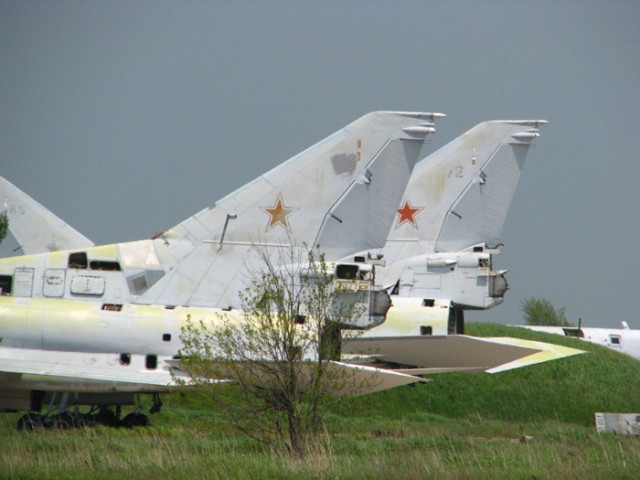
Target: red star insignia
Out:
[278,214]
[407,213]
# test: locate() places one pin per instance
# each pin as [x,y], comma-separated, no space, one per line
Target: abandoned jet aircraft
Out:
[101,323]
[623,340]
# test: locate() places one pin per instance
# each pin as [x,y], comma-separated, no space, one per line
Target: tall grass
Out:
[436,447]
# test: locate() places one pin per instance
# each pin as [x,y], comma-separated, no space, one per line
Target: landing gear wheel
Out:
[107,417]
[30,422]
[63,421]
[135,420]
[84,420]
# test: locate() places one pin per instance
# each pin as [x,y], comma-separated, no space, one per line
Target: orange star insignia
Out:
[278,214]
[407,213]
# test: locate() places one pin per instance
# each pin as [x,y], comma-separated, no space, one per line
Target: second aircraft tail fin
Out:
[33,228]
[460,195]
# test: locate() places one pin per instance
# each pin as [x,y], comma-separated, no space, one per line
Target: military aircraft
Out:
[33,228]
[438,258]
[101,323]
[623,340]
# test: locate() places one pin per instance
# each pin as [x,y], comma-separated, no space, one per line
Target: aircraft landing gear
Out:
[135,420]
[59,417]
[30,422]
[157,404]
[63,421]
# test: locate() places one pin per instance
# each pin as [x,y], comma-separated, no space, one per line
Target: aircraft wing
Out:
[364,379]
[105,372]
[32,228]
[346,379]
[452,353]
[81,371]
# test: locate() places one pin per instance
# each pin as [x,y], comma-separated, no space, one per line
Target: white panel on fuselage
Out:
[87,285]
[53,282]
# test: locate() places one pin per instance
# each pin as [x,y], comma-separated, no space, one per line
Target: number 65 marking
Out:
[16,209]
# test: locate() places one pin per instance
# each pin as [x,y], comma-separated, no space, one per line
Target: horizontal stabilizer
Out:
[437,354]
[547,351]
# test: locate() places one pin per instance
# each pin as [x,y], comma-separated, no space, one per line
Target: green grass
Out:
[569,390]
[531,423]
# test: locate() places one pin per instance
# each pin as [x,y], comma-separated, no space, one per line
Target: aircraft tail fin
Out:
[340,195]
[460,195]
[32,228]
[324,194]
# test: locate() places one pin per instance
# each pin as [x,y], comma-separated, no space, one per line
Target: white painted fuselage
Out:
[623,340]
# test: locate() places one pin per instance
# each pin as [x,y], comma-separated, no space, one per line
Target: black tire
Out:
[135,420]
[107,418]
[63,421]
[84,420]
[30,422]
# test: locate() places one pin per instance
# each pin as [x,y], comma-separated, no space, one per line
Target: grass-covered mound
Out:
[567,390]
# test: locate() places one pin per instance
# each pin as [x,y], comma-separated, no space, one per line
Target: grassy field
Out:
[531,423]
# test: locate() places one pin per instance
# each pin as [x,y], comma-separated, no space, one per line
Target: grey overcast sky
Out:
[125,117]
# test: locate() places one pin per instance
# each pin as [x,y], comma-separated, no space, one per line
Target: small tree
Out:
[276,352]
[539,311]
[4,225]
